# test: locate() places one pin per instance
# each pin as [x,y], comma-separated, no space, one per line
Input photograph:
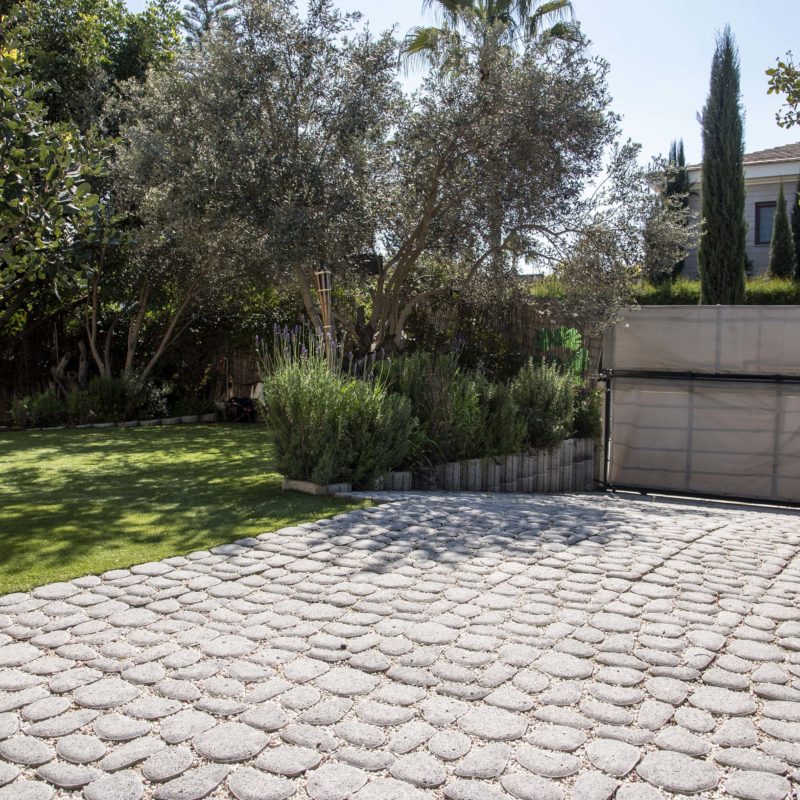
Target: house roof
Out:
[788,152]
[773,155]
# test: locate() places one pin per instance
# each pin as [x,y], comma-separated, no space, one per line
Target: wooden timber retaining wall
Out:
[568,467]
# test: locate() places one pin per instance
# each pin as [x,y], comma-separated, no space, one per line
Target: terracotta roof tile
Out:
[788,152]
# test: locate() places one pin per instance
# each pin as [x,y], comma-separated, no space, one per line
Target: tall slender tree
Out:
[677,185]
[781,250]
[795,219]
[721,256]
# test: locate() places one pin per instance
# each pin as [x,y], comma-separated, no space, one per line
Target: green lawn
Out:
[76,502]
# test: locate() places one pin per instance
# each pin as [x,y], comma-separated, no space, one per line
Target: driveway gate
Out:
[704,400]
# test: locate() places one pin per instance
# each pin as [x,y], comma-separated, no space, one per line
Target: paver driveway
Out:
[459,646]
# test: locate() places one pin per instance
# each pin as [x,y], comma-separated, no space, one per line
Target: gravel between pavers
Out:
[454,646]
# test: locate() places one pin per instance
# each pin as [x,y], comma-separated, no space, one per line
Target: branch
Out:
[133,329]
[167,337]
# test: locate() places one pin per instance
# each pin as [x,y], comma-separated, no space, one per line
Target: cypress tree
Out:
[721,256]
[677,182]
[781,249]
[796,232]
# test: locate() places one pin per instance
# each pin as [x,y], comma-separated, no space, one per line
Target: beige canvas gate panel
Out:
[692,407]
[736,439]
[752,340]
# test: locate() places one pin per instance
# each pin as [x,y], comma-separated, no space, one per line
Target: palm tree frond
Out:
[553,9]
[449,12]
[419,46]
[563,31]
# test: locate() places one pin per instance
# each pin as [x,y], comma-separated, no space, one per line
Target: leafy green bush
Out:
[544,396]
[20,415]
[328,427]
[764,291]
[772,292]
[445,400]
[107,398]
[79,407]
[503,430]
[146,399]
[587,423]
[46,410]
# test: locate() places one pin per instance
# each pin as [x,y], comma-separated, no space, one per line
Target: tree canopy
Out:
[327,161]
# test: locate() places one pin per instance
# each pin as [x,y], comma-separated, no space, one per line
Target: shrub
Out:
[328,427]
[146,399]
[763,291]
[46,410]
[445,400]
[544,396]
[503,430]
[587,423]
[20,415]
[772,292]
[107,398]
[79,407]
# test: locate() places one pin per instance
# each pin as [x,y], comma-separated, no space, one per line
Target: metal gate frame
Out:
[607,377]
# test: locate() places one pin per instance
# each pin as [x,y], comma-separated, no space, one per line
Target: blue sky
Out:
[660,53]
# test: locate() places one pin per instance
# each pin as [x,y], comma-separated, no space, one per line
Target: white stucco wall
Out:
[762,182]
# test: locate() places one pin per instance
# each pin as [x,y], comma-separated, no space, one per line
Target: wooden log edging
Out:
[567,467]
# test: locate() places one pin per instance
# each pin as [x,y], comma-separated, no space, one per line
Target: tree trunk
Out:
[134,329]
[83,365]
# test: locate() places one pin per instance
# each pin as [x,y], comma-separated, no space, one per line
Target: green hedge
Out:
[686,292]
[104,400]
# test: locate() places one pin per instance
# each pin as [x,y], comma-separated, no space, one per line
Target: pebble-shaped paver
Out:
[438,646]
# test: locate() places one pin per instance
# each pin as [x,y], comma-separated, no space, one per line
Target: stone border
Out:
[568,467]
[189,419]
[290,484]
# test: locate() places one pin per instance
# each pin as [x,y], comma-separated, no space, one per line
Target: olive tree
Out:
[285,142]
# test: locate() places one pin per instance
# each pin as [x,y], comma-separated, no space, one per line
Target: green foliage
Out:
[145,398]
[544,395]
[677,184]
[502,429]
[782,262]
[79,407]
[795,223]
[511,21]
[328,427]
[587,423]
[19,412]
[445,400]
[46,410]
[47,202]
[107,398]
[784,78]
[79,49]
[721,255]
[763,291]
[200,16]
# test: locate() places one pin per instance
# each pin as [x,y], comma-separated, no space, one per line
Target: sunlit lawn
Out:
[76,502]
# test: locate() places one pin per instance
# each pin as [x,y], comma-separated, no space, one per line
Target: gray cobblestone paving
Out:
[460,646]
